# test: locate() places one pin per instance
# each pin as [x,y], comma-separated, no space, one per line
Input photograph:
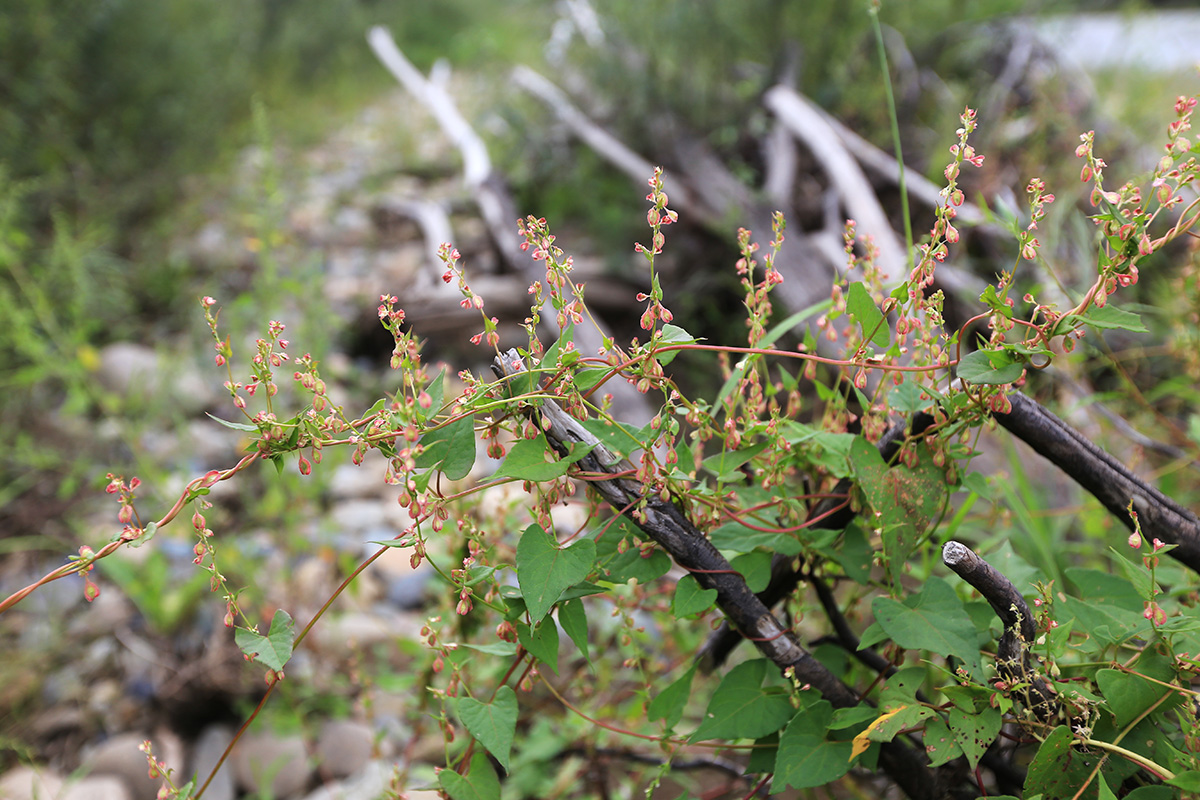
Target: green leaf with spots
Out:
[492,724]
[975,732]
[544,570]
[1059,770]
[940,744]
[906,499]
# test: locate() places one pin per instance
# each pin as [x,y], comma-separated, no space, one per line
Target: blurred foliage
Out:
[107,110]
[107,104]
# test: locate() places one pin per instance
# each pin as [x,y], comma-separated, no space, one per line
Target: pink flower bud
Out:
[1134,540]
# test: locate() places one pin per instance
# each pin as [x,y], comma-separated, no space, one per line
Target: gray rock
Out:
[354,628]
[366,628]
[369,783]
[27,783]
[409,591]
[119,757]
[268,764]
[357,516]
[206,754]
[344,746]
[351,226]
[97,787]
[348,480]
[124,366]
[104,615]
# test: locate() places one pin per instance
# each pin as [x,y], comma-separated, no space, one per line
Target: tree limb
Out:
[1113,484]
[669,527]
[1012,654]
[831,513]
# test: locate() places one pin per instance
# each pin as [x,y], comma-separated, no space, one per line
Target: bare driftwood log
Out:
[703,191]
[1012,652]
[494,200]
[883,165]
[478,175]
[668,526]
[434,223]
[806,122]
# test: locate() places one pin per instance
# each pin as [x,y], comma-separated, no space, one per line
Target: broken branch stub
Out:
[1013,663]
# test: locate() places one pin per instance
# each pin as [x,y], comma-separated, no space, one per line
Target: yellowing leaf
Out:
[862,742]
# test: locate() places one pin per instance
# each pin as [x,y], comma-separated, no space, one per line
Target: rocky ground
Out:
[96,680]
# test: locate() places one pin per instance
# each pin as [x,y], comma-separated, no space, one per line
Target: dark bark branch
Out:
[826,515]
[1012,652]
[1108,479]
[844,634]
[669,527]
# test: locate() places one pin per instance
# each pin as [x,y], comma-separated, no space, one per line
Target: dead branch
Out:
[806,122]
[493,198]
[1012,652]
[433,221]
[884,166]
[779,148]
[608,146]
[1113,484]
[667,525]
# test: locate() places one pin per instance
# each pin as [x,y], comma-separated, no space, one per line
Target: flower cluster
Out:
[657,217]
[944,232]
[1039,198]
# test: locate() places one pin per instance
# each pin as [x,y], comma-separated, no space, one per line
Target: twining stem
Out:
[1140,760]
